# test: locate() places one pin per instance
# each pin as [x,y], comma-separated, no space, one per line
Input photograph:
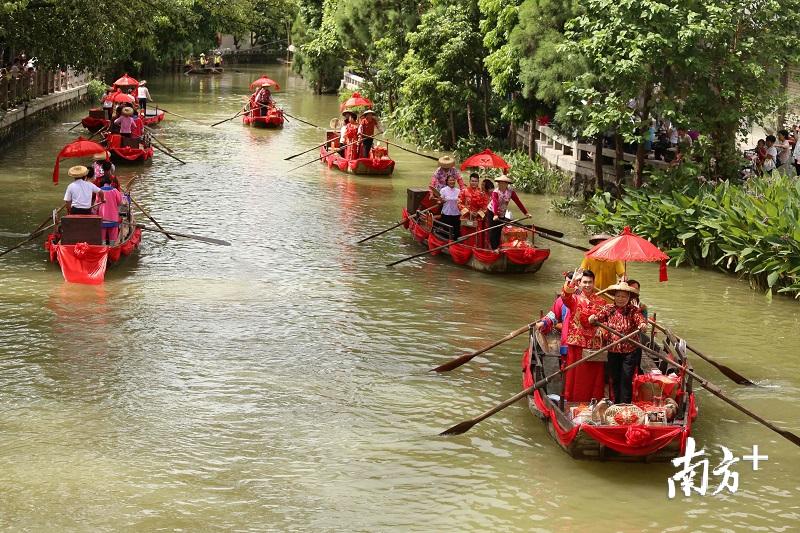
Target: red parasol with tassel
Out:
[120,97]
[630,247]
[265,80]
[126,81]
[80,148]
[486,159]
[355,100]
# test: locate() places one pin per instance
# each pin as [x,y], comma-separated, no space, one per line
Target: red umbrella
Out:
[80,148]
[262,80]
[629,247]
[120,97]
[126,81]
[485,159]
[355,100]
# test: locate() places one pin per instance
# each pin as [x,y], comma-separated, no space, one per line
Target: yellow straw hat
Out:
[78,171]
[100,156]
[622,286]
[127,111]
[447,162]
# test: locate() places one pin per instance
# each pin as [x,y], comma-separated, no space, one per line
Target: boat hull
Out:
[273,119]
[361,166]
[95,124]
[88,264]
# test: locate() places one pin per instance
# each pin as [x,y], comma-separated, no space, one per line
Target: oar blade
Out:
[791,437]
[455,363]
[735,376]
[458,429]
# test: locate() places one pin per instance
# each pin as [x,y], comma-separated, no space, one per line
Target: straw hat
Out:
[100,156]
[447,162]
[345,113]
[202,55]
[143,82]
[504,179]
[127,111]
[600,237]
[78,171]
[265,85]
[367,112]
[622,286]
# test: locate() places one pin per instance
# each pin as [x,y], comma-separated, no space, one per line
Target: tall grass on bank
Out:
[751,229]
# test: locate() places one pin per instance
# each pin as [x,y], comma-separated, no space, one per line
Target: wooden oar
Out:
[101,130]
[465,426]
[233,117]
[465,237]
[154,221]
[460,360]
[565,243]
[301,120]
[322,156]
[540,229]
[185,235]
[177,115]
[75,126]
[403,148]
[305,151]
[716,391]
[179,160]
[726,370]
[29,239]
[46,220]
[418,213]
[152,133]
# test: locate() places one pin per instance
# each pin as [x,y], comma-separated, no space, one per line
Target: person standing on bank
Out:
[626,318]
[450,213]
[78,197]
[143,93]
[498,206]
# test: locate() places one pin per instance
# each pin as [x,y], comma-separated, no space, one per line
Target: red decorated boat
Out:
[654,427]
[128,149]
[517,253]
[377,164]
[76,245]
[96,120]
[272,118]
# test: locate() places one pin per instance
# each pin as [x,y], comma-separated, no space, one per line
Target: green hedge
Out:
[752,230]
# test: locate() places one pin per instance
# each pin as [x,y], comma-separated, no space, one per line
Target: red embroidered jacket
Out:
[581,332]
[623,319]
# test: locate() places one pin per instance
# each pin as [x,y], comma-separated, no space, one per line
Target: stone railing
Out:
[351,81]
[15,91]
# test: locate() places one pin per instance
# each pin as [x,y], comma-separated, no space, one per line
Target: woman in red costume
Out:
[472,202]
[585,381]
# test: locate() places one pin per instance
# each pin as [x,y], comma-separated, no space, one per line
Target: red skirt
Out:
[585,381]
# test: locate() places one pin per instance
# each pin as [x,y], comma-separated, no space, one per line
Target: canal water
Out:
[282,383]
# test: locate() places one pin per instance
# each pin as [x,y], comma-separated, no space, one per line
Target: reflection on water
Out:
[282,383]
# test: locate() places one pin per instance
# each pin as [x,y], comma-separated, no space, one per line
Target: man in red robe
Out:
[585,381]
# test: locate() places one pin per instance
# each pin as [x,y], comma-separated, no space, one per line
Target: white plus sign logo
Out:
[755,457]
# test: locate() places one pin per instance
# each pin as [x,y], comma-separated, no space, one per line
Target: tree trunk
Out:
[452,129]
[486,105]
[644,131]
[531,141]
[469,119]
[598,163]
[784,90]
[619,161]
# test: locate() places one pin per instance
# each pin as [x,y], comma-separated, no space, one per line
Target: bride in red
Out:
[585,381]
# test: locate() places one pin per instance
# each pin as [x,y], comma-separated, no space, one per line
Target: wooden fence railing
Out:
[15,91]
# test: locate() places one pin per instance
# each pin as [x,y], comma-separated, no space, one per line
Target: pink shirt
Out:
[109,209]
[125,123]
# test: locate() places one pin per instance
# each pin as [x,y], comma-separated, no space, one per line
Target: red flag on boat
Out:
[79,148]
[262,80]
[485,159]
[355,100]
[120,97]
[126,81]
[630,247]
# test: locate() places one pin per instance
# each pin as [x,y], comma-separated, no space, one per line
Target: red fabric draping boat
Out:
[262,80]
[355,100]
[79,148]
[512,257]
[127,154]
[630,247]
[485,159]
[638,441]
[273,118]
[378,164]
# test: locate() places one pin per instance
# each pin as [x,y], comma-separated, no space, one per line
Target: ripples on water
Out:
[282,383]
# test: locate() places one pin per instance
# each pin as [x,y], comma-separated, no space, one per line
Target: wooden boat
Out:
[378,164]
[637,432]
[127,149]
[517,253]
[207,71]
[77,247]
[96,120]
[272,119]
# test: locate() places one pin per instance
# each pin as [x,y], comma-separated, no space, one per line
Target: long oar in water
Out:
[176,158]
[415,215]
[177,115]
[320,157]
[303,121]
[101,130]
[75,126]
[33,235]
[540,230]
[403,148]
[463,427]
[713,389]
[725,370]
[201,238]
[243,110]
[463,238]
[154,221]
[305,151]
[460,360]
[153,135]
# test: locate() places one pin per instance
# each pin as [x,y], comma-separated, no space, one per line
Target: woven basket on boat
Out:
[624,414]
